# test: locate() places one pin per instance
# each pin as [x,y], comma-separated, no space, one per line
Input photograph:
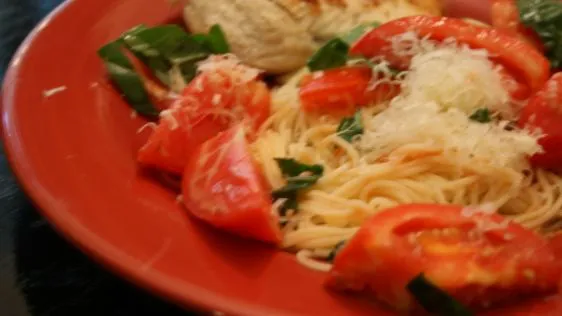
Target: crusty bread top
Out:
[280,35]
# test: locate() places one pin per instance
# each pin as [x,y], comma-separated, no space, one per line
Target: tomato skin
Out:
[540,306]
[168,147]
[517,90]
[215,92]
[544,111]
[555,243]
[209,104]
[505,17]
[517,56]
[223,186]
[476,266]
[340,91]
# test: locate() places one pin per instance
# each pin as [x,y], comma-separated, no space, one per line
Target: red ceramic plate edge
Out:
[103,252]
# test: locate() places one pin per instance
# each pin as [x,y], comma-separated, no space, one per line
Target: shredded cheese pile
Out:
[445,84]
[450,131]
[457,77]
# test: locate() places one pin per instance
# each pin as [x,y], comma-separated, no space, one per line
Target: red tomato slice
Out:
[174,137]
[223,186]
[542,306]
[516,55]
[505,17]
[517,90]
[209,104]
[544,112]
[229,98]
[161,97]
[340,91]
[555,243]
[478,259]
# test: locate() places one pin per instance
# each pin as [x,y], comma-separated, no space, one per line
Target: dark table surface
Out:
[41,274]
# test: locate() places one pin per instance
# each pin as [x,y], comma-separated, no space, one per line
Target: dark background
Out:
[40,273]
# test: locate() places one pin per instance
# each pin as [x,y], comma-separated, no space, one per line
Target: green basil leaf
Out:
[292,168]
[339,246]
[332,55]
[357,32]
[164,47]
[124,76]
[159,65]
[350,127]
[217,40]
[481,115]
[214,42]
[290,203]
[434,300]
[545,17]
[296,181]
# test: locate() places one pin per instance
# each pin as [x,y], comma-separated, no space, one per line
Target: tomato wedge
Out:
[544,112]
[477,258]
[168,146]
[516,55]
[516,89]
[555,243]
[223,186]
[340,91]
[210,103]
[541,306]
[505,17]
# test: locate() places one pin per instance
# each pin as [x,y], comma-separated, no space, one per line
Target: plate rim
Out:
[110,257]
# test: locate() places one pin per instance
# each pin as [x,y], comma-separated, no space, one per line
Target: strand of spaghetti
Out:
[305,258]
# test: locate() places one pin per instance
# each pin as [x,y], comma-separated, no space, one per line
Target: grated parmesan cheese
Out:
[457,77]
[408,122]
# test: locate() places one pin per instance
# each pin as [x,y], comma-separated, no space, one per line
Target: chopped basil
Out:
[481,115]
[545,17]
[299,176]
[350,127]
[434,300]
[217,40]
[339,246]
[164,47]
[156,63]
[332,55]
[124,76]
[292,168]
[357,32]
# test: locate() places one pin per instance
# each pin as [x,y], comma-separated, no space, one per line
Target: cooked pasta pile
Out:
[421,147]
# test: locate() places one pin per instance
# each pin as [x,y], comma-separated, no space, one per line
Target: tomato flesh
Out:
[169,144]
[341,91]
[211,103]
[540,306]
[505,17]
[543,112]
[223,186]
[478,259]
[516,55]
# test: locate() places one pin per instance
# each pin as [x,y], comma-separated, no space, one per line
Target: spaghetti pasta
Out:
[400,159]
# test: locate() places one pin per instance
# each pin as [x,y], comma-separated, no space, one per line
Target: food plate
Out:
[72,143]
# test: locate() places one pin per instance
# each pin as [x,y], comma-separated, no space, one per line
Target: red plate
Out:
[73,152]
